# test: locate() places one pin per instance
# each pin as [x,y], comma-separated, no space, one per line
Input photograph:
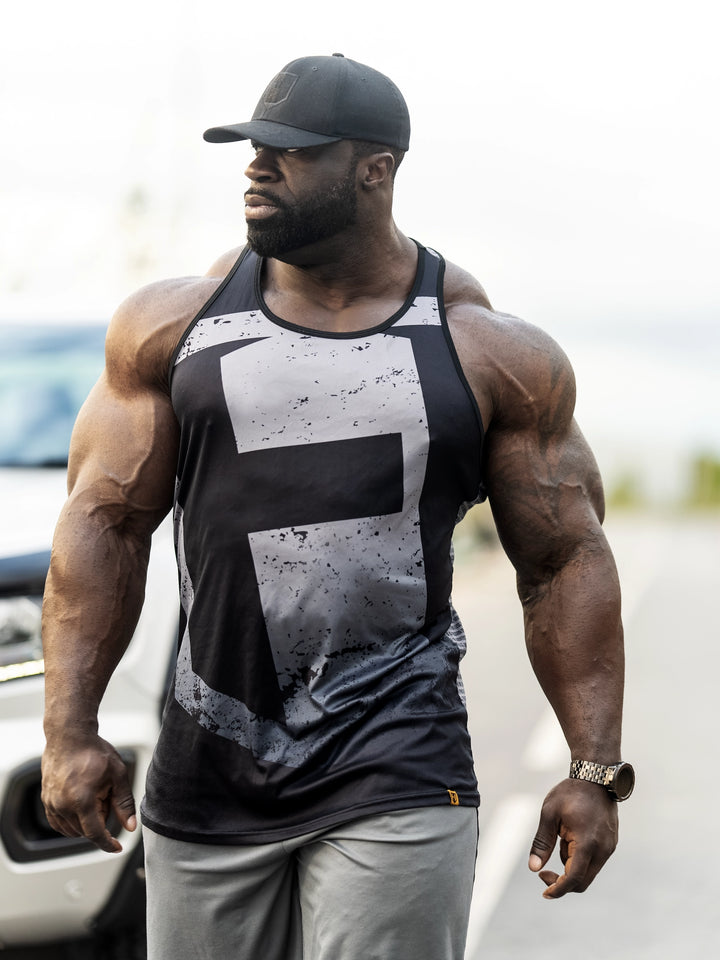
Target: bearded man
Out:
[318,411]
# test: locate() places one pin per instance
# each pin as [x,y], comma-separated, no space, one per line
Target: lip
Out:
[258,208]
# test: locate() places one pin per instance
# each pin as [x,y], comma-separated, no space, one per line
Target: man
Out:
[318,410]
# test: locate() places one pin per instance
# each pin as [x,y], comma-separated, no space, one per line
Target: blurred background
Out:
[567,155]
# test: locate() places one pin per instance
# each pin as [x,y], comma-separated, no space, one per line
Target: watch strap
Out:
[594,772]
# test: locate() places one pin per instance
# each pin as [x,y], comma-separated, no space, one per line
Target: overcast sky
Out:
[565,153]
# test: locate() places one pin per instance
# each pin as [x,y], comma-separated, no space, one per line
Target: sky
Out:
[565,153]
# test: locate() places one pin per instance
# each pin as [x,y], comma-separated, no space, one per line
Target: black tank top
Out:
[319,480]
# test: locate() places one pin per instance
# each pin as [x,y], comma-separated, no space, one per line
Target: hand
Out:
[585,817]
[81,784]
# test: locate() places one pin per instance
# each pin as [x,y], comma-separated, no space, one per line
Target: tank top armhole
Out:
[482,494]
[206,306]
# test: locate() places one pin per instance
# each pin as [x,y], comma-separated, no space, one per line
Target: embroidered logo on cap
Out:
[279,89]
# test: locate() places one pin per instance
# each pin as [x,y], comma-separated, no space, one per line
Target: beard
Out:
[316,217]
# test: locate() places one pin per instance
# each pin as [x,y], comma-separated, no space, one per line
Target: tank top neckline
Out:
[349,334]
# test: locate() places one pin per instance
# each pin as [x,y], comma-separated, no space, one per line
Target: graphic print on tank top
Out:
[319,481]
[318,578]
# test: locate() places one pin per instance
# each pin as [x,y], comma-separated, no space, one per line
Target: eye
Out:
[283,151]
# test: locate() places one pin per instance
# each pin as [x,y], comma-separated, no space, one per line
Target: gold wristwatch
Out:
[617,778]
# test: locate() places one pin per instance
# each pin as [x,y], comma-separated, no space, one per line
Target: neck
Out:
[347,261]
[351,287]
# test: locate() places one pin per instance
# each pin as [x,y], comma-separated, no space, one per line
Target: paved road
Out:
[658,898]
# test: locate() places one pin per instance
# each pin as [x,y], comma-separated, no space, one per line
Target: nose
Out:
[263,166]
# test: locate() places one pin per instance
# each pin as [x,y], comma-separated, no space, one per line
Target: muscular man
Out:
[318,410]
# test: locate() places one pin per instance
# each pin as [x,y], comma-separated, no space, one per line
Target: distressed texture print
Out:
[318,579]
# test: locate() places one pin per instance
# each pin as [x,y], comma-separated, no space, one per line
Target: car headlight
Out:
[20,642]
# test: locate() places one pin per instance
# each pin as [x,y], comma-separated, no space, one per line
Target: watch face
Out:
[624,781]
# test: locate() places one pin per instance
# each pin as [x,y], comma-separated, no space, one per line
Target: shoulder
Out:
[146,328]
[517,371]
[461,287]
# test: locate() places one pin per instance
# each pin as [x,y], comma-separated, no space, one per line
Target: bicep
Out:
[546,496]
[123,454]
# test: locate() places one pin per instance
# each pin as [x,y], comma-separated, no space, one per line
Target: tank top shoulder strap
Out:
[430,274]
[237,293]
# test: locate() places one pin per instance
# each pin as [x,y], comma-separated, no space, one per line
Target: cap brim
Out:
[268,133]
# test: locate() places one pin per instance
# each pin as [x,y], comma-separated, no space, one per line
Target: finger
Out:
[564,851]
[90,824]
[93,827]
[543,843]
[123,803]
[577,877]
[560,887]
[62,825]
[93,823]
[107,842]
[62,820]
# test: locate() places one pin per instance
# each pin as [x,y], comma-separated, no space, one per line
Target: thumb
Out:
[544,843]
[123,802]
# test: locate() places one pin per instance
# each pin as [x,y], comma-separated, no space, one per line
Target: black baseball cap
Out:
[317,100]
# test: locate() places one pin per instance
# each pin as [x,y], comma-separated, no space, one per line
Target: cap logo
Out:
[279,89]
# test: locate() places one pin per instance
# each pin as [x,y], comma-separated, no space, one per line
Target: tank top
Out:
[320,477]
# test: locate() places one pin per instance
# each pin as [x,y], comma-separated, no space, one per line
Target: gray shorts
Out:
[391,887]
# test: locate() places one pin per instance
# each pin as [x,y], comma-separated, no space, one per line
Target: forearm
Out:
[574,639]
[93,597]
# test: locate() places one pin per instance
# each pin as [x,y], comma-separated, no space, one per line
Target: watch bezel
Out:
[622,771]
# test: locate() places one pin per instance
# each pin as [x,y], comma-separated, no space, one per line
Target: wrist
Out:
[60,727]
[617,778]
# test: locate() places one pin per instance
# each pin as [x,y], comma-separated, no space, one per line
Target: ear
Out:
[376,171]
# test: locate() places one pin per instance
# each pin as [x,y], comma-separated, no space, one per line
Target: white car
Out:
[54,890]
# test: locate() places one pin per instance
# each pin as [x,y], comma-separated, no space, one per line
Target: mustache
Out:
[266,195]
